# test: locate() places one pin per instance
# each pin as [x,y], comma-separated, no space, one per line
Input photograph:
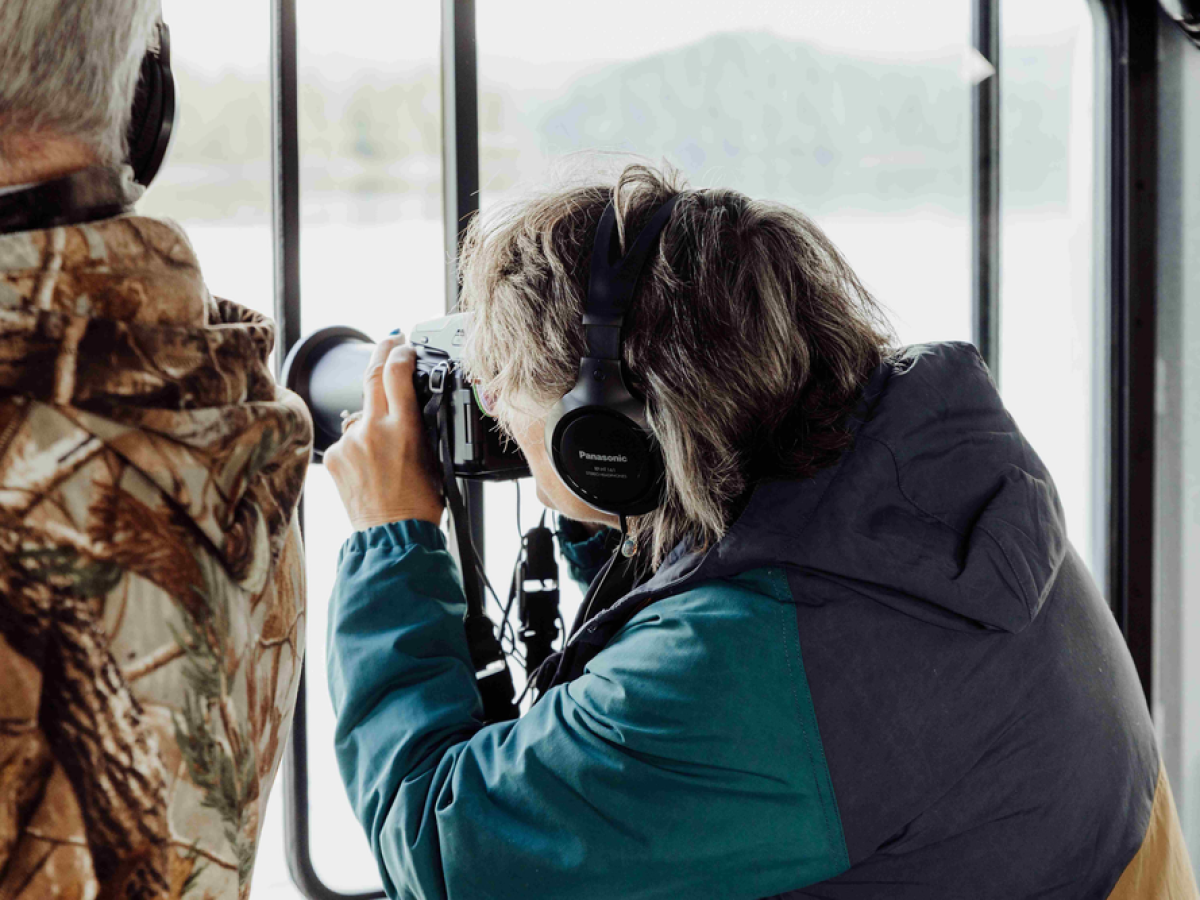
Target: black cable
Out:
[512,587]
[587,612]
[532,679]
[486,646]
[512,594]
[612,564]
[505,625]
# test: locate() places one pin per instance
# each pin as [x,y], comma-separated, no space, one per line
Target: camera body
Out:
[326,369]
[480,451]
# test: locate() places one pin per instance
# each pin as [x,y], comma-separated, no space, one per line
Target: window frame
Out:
[985,187]
[1132,338]
[460,194]
[1128,217]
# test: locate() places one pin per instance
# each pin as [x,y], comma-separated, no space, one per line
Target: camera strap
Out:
[437,425]
[487,656]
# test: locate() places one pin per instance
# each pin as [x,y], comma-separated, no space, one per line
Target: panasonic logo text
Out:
[598,457]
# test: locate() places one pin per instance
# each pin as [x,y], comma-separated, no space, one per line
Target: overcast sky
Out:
[404,33]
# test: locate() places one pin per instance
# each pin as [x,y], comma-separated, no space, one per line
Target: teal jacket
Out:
[981,722]
[684,762]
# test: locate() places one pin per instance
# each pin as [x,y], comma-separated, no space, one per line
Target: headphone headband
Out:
[613,280]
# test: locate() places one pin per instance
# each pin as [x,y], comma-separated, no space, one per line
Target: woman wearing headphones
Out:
[848,651]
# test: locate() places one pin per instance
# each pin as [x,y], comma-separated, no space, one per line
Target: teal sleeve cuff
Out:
[395,536]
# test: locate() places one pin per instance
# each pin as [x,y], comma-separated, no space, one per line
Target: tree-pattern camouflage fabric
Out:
[151,573]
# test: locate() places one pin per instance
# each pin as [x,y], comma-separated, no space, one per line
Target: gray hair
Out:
[751,338]
[69,68]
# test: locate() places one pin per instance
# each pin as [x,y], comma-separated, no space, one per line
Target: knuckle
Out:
[398,360]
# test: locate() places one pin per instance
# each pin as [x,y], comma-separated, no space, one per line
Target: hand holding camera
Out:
[381,464]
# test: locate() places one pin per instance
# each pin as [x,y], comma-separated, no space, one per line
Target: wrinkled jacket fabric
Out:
[894,679]
[151,574]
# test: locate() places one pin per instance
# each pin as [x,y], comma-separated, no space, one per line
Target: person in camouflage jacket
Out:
[151,574]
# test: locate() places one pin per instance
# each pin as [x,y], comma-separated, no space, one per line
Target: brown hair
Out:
[750,338]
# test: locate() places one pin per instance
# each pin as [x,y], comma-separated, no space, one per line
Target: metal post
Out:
[460,175]
[285,171]
[285,205]
[985,187]
[1132,521]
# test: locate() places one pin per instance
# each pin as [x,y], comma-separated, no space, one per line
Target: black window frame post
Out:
[985,187]
[285,202]
[1133,341]
[460,194]
[460,180]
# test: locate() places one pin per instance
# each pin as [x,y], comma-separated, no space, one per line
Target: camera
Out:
[326,369]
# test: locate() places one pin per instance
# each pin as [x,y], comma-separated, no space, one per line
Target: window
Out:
[1177,563]
[372,258]
[853,112]
[217,179]
[1053,317]
[856,113]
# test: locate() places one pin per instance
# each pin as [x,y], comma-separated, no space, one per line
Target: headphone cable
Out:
[612,564]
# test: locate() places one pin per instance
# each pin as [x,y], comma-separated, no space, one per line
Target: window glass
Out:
[217,184]
[372,258]
[854,111]
[1053,309]
[217,179]
[1177,459]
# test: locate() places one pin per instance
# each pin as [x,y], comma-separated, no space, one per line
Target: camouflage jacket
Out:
[151,573]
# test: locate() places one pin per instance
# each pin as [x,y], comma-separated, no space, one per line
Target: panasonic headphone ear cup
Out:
[606,459]
[152,119]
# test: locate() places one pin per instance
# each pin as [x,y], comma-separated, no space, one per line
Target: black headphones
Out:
[72,199]
[153,118]
[600,442]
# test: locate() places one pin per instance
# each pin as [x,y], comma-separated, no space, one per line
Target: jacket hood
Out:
[940,509]
[109,326]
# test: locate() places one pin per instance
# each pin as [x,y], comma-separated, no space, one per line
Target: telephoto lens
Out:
[326,369]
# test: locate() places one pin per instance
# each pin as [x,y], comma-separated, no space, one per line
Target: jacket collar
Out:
[85,196]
